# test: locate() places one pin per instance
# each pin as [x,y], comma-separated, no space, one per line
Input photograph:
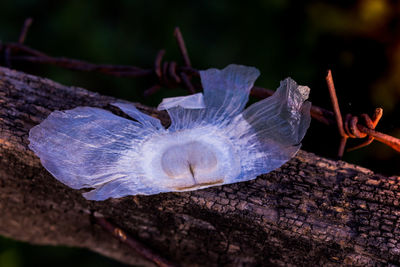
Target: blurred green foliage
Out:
[358,40]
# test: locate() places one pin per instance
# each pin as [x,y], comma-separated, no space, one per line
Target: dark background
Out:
[358,40]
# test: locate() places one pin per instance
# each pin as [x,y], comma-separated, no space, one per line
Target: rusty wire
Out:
[351,128]
[171,75]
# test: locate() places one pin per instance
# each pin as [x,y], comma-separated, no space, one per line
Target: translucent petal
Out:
[134,113]
[124,186]
[87,147]
[269,132]
[226,91]
[182,118]
[195,101]
[283,117]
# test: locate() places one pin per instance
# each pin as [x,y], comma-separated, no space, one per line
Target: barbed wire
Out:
[171,75]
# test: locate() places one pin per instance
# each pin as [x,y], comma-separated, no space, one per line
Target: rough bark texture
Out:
[311,211]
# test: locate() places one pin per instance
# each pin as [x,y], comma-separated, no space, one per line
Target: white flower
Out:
[211,140]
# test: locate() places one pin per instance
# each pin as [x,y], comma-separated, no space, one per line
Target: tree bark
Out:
[311,211]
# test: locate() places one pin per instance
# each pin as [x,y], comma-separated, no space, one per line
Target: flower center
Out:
[192,160]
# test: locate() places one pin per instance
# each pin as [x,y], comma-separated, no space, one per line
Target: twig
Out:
[138,247]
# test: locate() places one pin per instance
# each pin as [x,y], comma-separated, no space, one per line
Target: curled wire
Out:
[169,74]
[351,128]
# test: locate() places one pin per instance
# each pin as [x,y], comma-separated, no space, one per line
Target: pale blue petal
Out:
[195,101]
[134,113]
[185,111]
[226,91]
[122,187]
[86,147]
[283,117]
[182,118]
[269,132]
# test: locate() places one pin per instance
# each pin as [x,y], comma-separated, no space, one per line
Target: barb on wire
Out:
[182,46]
[352,129]
[171,75]
[24,30]
[21,40]
[187,83]
[135,245]
[337,113]
[157,63]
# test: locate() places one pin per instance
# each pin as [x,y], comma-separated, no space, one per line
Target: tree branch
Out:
[311,211]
